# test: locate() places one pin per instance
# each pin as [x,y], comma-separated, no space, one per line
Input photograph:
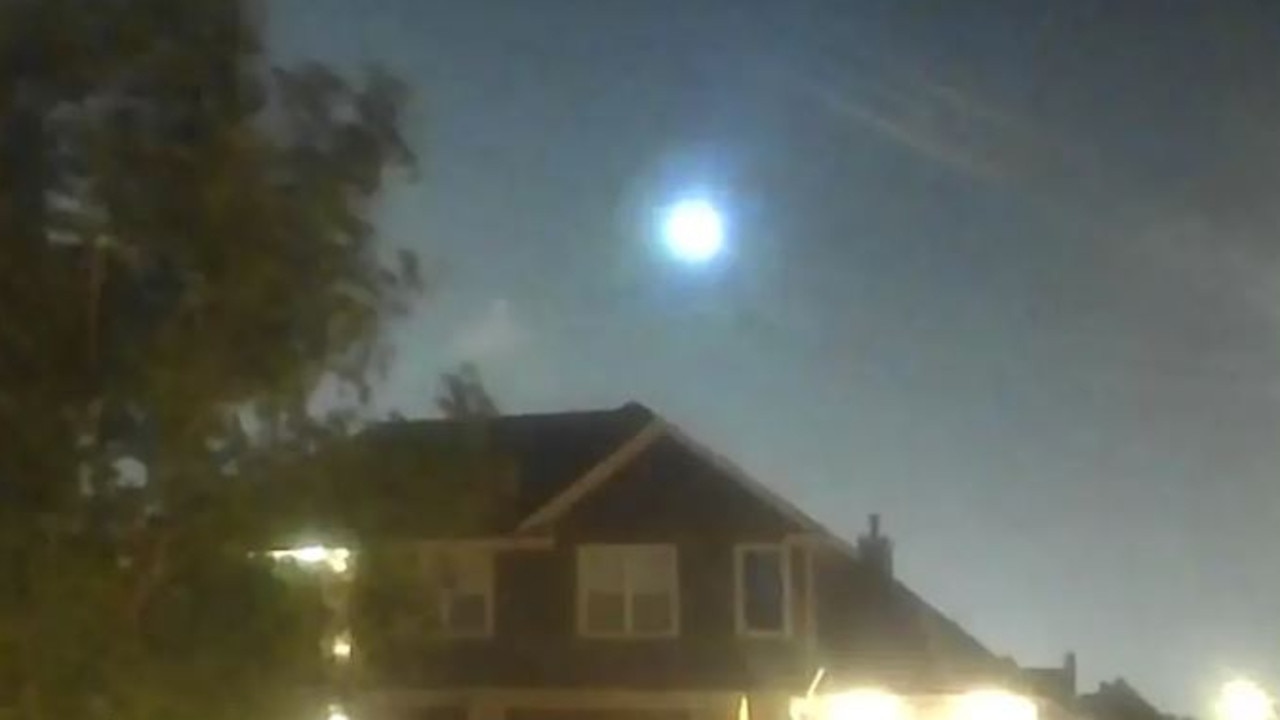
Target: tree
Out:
[463,395]
[186,253]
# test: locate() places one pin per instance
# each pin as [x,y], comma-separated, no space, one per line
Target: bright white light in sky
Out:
[693,231]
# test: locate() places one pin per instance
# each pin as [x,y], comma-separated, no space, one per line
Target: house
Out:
[630,572]
[1118,700]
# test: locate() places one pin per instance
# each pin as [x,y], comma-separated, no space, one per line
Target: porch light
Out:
[994,705]
[865,704]
[336,559]
[341,647]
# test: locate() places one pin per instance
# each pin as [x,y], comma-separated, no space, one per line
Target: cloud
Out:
[945,123]
[493,334]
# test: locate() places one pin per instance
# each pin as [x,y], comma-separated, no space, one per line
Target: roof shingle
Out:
[548,451]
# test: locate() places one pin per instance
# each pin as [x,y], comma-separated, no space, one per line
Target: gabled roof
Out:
[934,624]
[659,427]
[560,458]
[563,458]
[549,450]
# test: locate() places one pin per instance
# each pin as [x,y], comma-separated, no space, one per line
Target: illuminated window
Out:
[628,591]
[763,592]
[461,582]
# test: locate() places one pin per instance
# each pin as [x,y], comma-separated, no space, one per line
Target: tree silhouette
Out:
[186,254]
[464,396]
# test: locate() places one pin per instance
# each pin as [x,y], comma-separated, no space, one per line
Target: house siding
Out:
[666,495]
[861,624]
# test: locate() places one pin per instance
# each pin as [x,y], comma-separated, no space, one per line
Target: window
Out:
[763,590]
[627,591]
[461,583]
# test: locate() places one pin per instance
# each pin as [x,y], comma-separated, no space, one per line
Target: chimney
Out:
[1069,671]
[876,550]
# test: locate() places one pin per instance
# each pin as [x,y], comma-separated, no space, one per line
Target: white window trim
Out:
[740,552]
[627,633]
[446,629]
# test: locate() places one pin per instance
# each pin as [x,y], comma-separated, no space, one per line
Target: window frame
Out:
[628,623]
[444,596]
[740,553]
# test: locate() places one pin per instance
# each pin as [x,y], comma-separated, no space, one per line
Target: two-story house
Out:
[634,573]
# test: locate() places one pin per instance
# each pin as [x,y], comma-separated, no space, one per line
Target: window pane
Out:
[467,571]
[604,613]
[601,569]
[651,569]
[468,613]
[763,590]
[651,614]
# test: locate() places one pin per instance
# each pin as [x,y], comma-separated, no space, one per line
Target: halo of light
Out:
[335,559]
[1244,700]
[865,704]
[341,647]
[693,231]
[994,705]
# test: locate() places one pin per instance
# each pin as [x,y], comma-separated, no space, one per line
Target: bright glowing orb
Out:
[1244,700]
[693,231]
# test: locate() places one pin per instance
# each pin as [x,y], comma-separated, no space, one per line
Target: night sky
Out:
[1007,273]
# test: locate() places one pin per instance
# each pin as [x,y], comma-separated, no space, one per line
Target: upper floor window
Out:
[628,591]
[461,588]
[763,590]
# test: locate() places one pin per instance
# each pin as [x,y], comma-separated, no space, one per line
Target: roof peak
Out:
[628,408]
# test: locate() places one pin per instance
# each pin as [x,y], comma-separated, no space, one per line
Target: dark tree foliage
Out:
[186,253]
[463,395]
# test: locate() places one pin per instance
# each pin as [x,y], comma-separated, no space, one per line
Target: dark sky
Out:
[1008,273]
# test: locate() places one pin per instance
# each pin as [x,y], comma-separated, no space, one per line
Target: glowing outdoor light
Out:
[311,554]
[865,704]
[341,647]
[994,705]
[337,559]
[1244,700]
[337,713]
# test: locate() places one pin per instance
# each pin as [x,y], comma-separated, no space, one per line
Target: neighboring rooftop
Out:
[1118,700]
